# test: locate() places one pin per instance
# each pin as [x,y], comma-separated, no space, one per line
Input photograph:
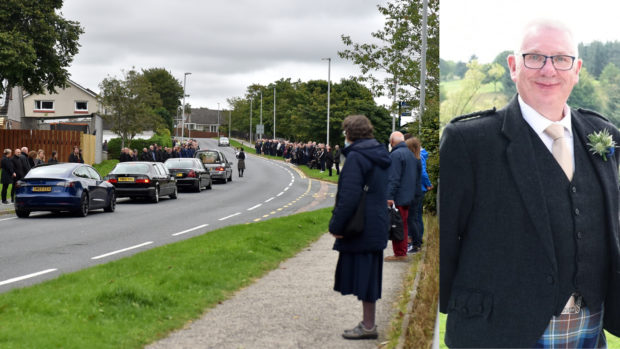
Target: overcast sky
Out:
[226,45]
[488,27]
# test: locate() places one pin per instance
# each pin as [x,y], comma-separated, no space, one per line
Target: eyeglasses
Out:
[538,61]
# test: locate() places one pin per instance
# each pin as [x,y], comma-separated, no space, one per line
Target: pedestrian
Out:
[23,157]
[241,161]
[415,237]
[337,154]
[360,259]
[8,174]
[53,158]
[403,184]
[329,160]
[529,252]
[40,159]
[104,146]
[18,167]
[76,156]
[32,155]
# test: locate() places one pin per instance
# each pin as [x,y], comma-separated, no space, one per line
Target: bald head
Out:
[396,138]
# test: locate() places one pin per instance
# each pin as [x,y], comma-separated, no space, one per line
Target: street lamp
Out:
[218,119]
[329,84]
[251,120]
[274,112]
[229,122]
[261,112]
[183,110]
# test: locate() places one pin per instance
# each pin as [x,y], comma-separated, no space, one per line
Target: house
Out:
[11,108]
[205,119]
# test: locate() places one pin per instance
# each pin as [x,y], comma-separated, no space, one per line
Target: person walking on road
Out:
[8,173]
[359,270]
[241,161]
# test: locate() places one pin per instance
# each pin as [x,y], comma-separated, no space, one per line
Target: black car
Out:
[142,179]
[217,164]
[189,173]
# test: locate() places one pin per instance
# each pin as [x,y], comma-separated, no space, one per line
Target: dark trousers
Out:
[5,187]
[337,168]
[13,189]
[330,170]
[322,165]
[415,220]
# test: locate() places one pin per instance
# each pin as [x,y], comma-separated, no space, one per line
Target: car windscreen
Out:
[209,157]
[180,163]
[128,167]
[49,172]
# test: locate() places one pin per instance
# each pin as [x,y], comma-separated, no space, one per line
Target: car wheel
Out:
[197,187]
[22,213]
[84,206]
[112,205]
[230,178]
[174,193]
[155,198]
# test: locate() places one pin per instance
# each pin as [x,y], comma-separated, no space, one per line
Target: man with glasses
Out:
[529,207]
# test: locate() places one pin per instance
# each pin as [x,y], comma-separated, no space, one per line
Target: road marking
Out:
[265,216]
[191,229]
[123,250]
[280,209]
[255,206]
[257,219]
[285,189]
[271,198]
[272,212]
[6,219]
[280,193]
[232,215]
[20,278]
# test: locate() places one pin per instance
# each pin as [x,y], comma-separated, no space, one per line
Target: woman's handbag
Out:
[397,231]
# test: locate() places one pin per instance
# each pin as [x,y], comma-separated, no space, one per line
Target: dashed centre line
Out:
[254,207]
[271,198]
[232,215]
[191,229]
[123,250]
[20,278]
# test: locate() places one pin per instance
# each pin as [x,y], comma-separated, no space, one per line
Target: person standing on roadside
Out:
[8,173]
[329,160]
[241,161]
[337,154]
[415,240]
[76,156]
[40,159]
[360,260]
[402,187]
[23,157]
[53,158]
[18,167]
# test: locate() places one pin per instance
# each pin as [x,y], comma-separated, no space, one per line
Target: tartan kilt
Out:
[581,330]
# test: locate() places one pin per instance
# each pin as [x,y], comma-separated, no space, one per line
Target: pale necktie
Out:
[560,149]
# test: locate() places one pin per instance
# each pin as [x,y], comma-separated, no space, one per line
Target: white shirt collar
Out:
[539,123]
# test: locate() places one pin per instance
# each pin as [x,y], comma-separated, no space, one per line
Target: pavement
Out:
[7,208]
[293,306]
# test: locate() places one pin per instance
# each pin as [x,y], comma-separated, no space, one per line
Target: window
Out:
[44,105]
[213,128]
[81,106]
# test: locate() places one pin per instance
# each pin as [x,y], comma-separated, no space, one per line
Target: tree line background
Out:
[471,86]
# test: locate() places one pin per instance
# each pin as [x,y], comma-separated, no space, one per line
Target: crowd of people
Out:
[315,156]
[158,153]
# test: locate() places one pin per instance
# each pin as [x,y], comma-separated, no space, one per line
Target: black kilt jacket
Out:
[497,258]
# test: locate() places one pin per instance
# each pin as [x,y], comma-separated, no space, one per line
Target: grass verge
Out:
[424,310]
[105,166]
[137,300]
[312,173]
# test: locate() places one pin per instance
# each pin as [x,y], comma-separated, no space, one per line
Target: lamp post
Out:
[183,110]
[218,119]
[261,112]
[274,112]
[329,84]
[229,123]
[251,120]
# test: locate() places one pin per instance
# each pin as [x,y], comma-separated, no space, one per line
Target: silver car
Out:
[217,164]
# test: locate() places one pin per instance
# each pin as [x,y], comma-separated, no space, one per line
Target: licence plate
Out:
[39,189]
[179,174]
[126,179]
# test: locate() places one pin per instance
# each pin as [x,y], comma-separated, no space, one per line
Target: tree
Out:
[610,84]
[495,73]
[36,44]
[584,94]
[463,100]
[170,92]
[130,105]
[509,89]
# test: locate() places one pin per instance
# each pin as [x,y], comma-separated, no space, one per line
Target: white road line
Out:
[191,229]
[255,206]
[271,198]
[20,278]
[280,193]
[285,189]
[123,250]
[6,219]
[232,215]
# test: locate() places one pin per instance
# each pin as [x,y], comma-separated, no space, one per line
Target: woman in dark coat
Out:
[360,262]
[8,172]
[54,158]
[241,162]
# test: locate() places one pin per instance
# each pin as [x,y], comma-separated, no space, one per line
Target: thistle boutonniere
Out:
[602,143]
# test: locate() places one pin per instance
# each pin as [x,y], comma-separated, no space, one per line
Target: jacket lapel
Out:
[522,164]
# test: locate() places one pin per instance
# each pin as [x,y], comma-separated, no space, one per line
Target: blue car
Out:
[73,187]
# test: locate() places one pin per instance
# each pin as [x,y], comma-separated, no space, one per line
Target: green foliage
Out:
[130,104]
[584,94]
[36,44]
[105,166]
[134,301]
[114,144]
[170,93]
[508,86]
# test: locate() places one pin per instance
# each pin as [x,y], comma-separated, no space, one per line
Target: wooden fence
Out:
[60,141]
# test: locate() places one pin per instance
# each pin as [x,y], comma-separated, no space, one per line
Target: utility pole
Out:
[251,120]
[183,110]
[229,123]
[261,112]
[329,84]
[394,104]
[218,119]
[274,112]
[423,68]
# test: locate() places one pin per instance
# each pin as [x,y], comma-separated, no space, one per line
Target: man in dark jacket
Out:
[8,173]
[337,154]
[403,184]
[329,160]
[24,160]
[18,167]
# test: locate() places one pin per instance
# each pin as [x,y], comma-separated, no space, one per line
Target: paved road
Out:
[46,245]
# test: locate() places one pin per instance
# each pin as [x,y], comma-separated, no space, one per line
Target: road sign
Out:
[260,129]
[404,105]
[407,113]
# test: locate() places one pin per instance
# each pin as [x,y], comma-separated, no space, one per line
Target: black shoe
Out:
[5,202]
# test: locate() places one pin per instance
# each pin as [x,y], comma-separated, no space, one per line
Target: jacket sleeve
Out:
[426,182]
[394,172]
[455,204]
[350,186]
